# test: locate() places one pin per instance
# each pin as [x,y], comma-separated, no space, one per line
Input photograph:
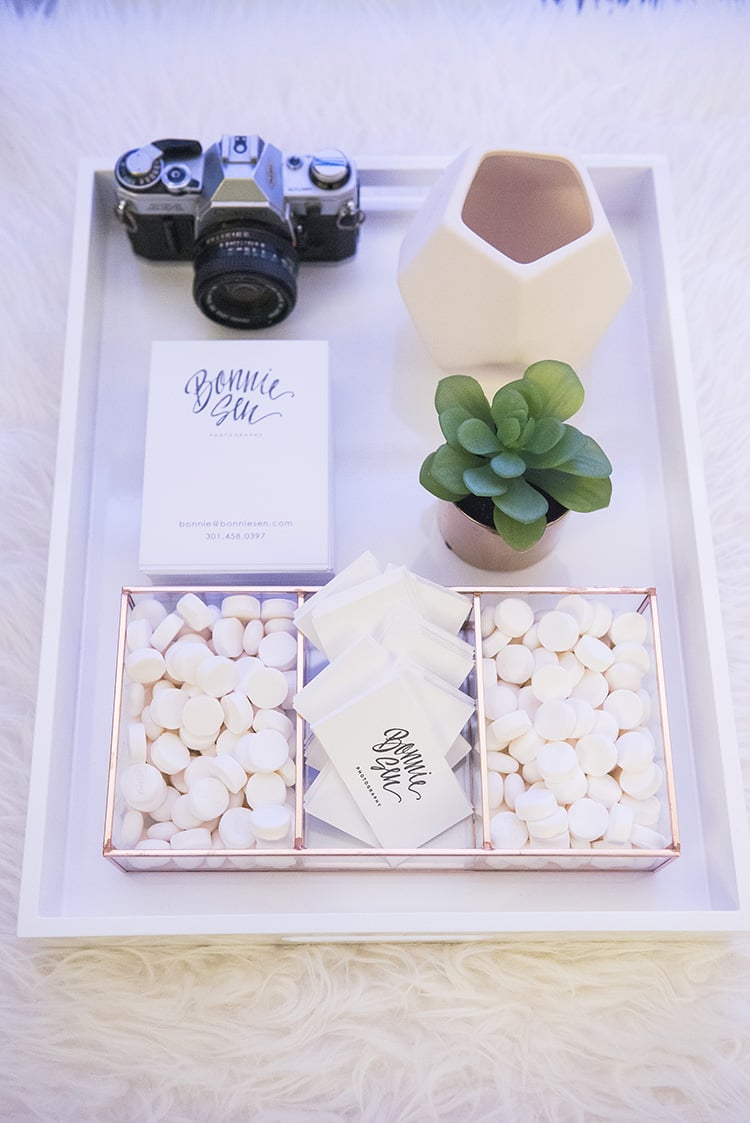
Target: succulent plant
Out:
[517,453]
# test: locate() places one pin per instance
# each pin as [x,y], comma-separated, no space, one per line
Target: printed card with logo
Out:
[237,475]
[390,754]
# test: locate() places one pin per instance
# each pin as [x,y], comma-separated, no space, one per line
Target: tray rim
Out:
[31,921]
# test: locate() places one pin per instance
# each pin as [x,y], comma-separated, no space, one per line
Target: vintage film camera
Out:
[244,214]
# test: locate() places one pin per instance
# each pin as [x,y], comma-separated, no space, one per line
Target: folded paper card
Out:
[237,473]
[389,754]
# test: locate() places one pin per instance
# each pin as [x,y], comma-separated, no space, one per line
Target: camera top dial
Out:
[329,169]
[140,168]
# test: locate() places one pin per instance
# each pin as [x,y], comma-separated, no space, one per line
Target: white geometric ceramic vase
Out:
[511,259]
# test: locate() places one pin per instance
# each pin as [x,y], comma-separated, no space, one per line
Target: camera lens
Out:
[245,276]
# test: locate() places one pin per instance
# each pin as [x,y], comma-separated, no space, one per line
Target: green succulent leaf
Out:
[577,493]
[519,535]
[476,436]
[545,435]
[483,481]
[558,387]
[465,392]
[530,395]
[431,484]
[450,419]
[448,466]
[567,447]
[588,460]
[522,502]
[508,403]
[509,431]
[527,433]
[508,464]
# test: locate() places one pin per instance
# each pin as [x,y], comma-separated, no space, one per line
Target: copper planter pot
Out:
[482,546]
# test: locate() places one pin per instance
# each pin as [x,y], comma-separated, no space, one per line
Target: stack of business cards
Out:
[386,713]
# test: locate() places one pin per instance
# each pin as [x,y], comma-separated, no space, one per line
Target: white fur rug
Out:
[563,1031]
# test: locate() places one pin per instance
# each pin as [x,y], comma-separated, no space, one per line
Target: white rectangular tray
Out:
[640,407]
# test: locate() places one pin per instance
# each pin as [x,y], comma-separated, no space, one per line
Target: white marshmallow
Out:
[625,707]
[525,747]
[145,665]
[271,822]
[628,627]
[495,789]
[578,607]
[635,750]
[572,787]
[265,788]
[136,742]
[262,752]
[499,700]
[555,720]
[194,611]
[227,635]
[275,607]
[592,687]
[558,630]
[208,798]
[143,787]
[593,653]
[597,755]
[149,609]
[242,605]
[587,819]
[604,789]
[236,829]
[203,716]
[508,831]
[552,826]
[167,706]
[624,676]
[169,754]
[165,632]
[536,803]
[266,687]
[273,719]
[513,616]
[501,762]
[510,726]
[551,681]
[278,649]
[515,663]
[131,829]
[216,675]
[643,783]
[557,761]
[601,620]
[238,712]
[183,658]
[620,824]
[252,636]
[513,786]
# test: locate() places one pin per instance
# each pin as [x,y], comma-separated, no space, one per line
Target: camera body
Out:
[243,213]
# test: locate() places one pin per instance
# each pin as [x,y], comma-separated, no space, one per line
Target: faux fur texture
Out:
[570,1031]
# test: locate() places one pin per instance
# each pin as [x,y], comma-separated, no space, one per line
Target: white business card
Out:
[237,476]
[391,758]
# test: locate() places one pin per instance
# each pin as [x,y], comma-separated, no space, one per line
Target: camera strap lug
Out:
[124,214]
[350,217]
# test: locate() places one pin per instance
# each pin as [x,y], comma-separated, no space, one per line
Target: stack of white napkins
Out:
[386,712]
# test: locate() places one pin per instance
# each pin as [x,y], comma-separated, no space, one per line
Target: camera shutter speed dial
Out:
[329,168]
[141,167]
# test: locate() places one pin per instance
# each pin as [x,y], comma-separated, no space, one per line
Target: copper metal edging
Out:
[427,853]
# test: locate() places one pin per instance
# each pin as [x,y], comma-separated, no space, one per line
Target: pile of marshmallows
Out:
[207,761]
[571,761]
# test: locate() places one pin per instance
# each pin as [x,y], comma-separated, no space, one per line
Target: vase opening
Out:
[527,206]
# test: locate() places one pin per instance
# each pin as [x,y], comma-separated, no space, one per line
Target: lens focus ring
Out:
[245,276]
